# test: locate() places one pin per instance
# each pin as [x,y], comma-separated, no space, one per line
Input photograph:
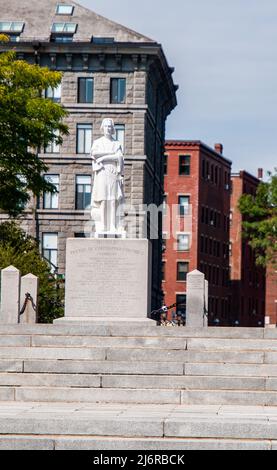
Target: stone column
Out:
[29,284]
[195,299]
[10,294]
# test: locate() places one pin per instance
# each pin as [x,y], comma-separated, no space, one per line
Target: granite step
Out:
[123,329]
[102,367]
[134,354]
[170,382]
[86,443]
[156,422]
[138,396]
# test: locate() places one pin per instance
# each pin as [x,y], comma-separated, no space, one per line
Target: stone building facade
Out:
[108,71]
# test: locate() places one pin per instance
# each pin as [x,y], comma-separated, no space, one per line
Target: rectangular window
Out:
[84,138]
[53,147]
[118,90]
[54,94]
[50,249]
[51,201]
[184,205]
[203,169]
[182,270]
[216,175]
[101,40]
[85,90]
[181,307]
[183,242]
[212,173]
[184,165]
[64,28]
[83,192]
[165,164]
[64,9]
[14,37]
[202,244]
[11,26]
[55,38]
[82,235]
[120,134]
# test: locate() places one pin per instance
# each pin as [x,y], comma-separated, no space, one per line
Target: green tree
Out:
[22,251]
[28,122]
[260,220]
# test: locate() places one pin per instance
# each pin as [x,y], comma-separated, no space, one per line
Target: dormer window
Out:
[64,9]
[64,28]
[11,26]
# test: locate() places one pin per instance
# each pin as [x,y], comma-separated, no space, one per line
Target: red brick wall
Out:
[202,192]
[271,295]
[247,279]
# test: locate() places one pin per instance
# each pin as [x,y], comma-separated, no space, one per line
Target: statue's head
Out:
[107,127]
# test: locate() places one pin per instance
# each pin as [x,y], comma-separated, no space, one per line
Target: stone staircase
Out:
[137,386]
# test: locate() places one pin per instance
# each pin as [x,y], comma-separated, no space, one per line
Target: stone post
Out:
[10,294]
[29,284]
[195,316]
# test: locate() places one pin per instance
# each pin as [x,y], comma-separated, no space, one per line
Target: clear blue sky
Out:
[225,58]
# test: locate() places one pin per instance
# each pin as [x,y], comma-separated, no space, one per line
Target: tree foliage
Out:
[260,220]
[22,251]
[28,122]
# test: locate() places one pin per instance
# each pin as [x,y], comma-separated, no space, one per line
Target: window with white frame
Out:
[64,28]
[118,90]
[50,249]
[184,202]
[183,242]
[182,270]
[85,90]
[83,192]
[63,9]
[120,134]
[84,138]
[54,94]
[11,26]
[51,200]
[53,147]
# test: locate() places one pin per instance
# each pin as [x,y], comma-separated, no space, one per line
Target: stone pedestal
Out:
[10,294]
[196,293]
[107,279]
[29,284]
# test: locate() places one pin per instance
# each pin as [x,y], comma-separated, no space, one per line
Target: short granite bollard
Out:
[29,285]
[196,300]
[10,294]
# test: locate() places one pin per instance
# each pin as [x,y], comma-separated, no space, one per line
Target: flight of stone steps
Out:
[120,385]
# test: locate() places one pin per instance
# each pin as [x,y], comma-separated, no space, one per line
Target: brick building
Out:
[271,296]
[247,279]
[196,226]
[108,71]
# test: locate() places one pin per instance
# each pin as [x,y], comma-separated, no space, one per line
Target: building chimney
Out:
[218,148]
[260,174]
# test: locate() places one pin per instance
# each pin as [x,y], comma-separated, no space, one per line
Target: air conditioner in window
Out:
[227,187]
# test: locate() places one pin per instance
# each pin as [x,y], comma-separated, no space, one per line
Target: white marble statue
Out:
[108,185]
